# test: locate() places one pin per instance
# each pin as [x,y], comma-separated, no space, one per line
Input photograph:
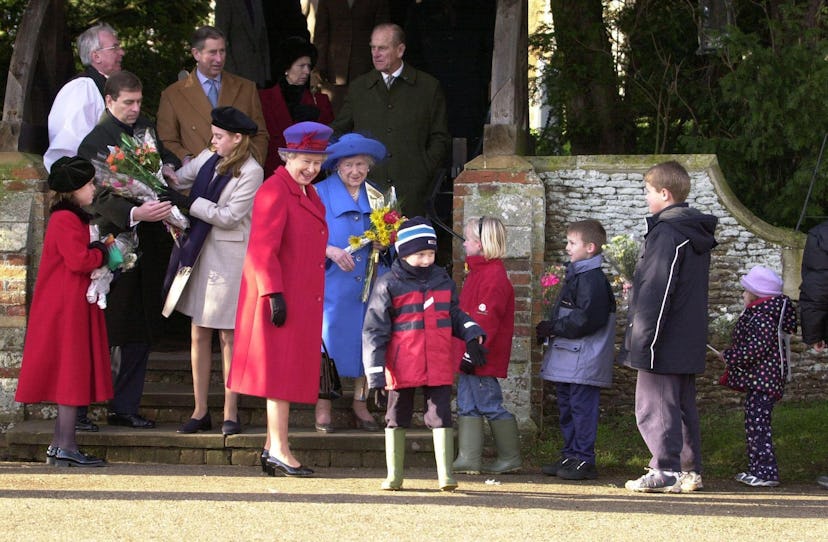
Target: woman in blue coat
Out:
[348,200]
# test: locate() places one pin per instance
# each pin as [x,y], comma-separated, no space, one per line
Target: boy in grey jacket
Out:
[579,359]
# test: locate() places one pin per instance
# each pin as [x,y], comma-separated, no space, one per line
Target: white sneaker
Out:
[691,481]
[753,481]
[656,481]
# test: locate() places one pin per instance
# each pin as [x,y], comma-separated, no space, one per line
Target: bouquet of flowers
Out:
[622,255]
[124,246]
[133,170]
[721,327]
[551,283]
[386,219]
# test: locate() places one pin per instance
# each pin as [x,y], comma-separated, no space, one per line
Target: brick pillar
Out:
[508,188]
[22,218]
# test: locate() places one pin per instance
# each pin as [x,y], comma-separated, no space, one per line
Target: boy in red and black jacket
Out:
[412,315]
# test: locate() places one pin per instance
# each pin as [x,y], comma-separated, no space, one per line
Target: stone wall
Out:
[22,218]
[610,189]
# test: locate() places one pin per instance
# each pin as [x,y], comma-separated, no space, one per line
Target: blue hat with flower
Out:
[353,145]
[306,137]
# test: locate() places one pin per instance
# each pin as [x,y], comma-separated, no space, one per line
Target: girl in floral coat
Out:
[757,363]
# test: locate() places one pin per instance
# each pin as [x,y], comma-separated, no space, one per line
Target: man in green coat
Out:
[405,109]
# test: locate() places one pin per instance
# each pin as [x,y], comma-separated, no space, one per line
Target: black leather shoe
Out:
[263,460]
[231,427]
[51,452]
[275,466]
[65,458]
[193,425]
[366,425]
[324,427]
[129,420]
[85,424]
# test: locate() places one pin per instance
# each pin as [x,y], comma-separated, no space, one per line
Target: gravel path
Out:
[182,502]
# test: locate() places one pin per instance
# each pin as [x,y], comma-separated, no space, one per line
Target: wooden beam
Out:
[21,72]
[507,131]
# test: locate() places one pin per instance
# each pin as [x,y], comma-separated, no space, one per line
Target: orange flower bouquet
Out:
[133,170]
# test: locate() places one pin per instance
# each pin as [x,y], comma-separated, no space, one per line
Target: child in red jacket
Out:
[489,298]
[407,334]
[66,353]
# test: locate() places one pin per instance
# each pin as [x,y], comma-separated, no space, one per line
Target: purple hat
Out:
[762,282]
[306,137]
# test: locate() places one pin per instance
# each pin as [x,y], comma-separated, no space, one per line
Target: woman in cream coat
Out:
[223,181]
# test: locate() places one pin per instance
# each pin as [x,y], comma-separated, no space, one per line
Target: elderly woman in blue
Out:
[348,199]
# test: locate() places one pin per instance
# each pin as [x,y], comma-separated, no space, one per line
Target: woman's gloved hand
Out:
[278,309]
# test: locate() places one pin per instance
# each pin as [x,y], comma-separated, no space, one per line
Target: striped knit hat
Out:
[415,234]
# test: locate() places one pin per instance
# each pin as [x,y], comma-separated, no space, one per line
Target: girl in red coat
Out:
[66,354]
[488,297]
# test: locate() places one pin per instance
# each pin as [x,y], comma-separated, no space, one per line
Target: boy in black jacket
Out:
[667,330]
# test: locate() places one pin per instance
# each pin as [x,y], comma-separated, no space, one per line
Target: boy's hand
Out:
[544,329]
[278,310]
[476,353]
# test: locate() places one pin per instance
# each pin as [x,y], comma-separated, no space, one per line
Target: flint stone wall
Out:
[610,189]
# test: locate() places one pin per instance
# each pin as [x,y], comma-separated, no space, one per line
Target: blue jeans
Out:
[481,396]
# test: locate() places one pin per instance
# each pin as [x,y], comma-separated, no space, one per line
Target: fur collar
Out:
[64,205]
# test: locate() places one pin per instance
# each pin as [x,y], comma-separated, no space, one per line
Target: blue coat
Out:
[344,310]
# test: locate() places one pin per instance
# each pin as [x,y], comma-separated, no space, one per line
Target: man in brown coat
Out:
[185,106]
[341,35]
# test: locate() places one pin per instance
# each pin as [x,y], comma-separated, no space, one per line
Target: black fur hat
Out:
[70,173]
[293,48]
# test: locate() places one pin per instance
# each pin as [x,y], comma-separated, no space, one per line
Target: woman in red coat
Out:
[291,100]
[278,334]
[66,354]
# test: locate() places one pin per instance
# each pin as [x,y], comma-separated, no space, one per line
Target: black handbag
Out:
[330,387]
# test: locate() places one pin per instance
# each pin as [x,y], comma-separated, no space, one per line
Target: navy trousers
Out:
[437,411]
[667,418]
[578,407]
[761,457]
[129,368]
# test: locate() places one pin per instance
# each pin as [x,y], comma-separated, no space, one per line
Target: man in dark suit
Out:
[407,114]
[133,313]
[248,49]
[185,106]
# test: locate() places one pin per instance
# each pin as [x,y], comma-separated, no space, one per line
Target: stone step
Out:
[27,441]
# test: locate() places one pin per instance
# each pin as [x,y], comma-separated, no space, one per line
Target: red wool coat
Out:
[66,354]
[286,254]
[489,298]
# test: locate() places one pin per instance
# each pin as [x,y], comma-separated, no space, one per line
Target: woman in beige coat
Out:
[223,181]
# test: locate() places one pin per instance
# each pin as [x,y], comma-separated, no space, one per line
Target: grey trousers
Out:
[667,418]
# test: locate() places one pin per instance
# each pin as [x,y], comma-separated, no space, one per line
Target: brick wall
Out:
[22,191]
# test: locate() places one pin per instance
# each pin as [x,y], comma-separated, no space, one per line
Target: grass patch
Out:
[800,437]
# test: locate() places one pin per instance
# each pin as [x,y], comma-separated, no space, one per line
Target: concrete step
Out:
[27,441]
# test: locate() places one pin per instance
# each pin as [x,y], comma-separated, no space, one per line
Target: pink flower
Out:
[549,280]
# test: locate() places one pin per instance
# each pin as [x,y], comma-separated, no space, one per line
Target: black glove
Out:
[278,310]
[476,353]
[466,364]
[175,197]
[544,329]
[104,250]
[379,397]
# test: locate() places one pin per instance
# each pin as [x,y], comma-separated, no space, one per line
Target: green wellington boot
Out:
[507,442]
[394,458]
[470,444]
[443,455]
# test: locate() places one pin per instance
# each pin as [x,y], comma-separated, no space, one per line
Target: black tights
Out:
[64,436]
